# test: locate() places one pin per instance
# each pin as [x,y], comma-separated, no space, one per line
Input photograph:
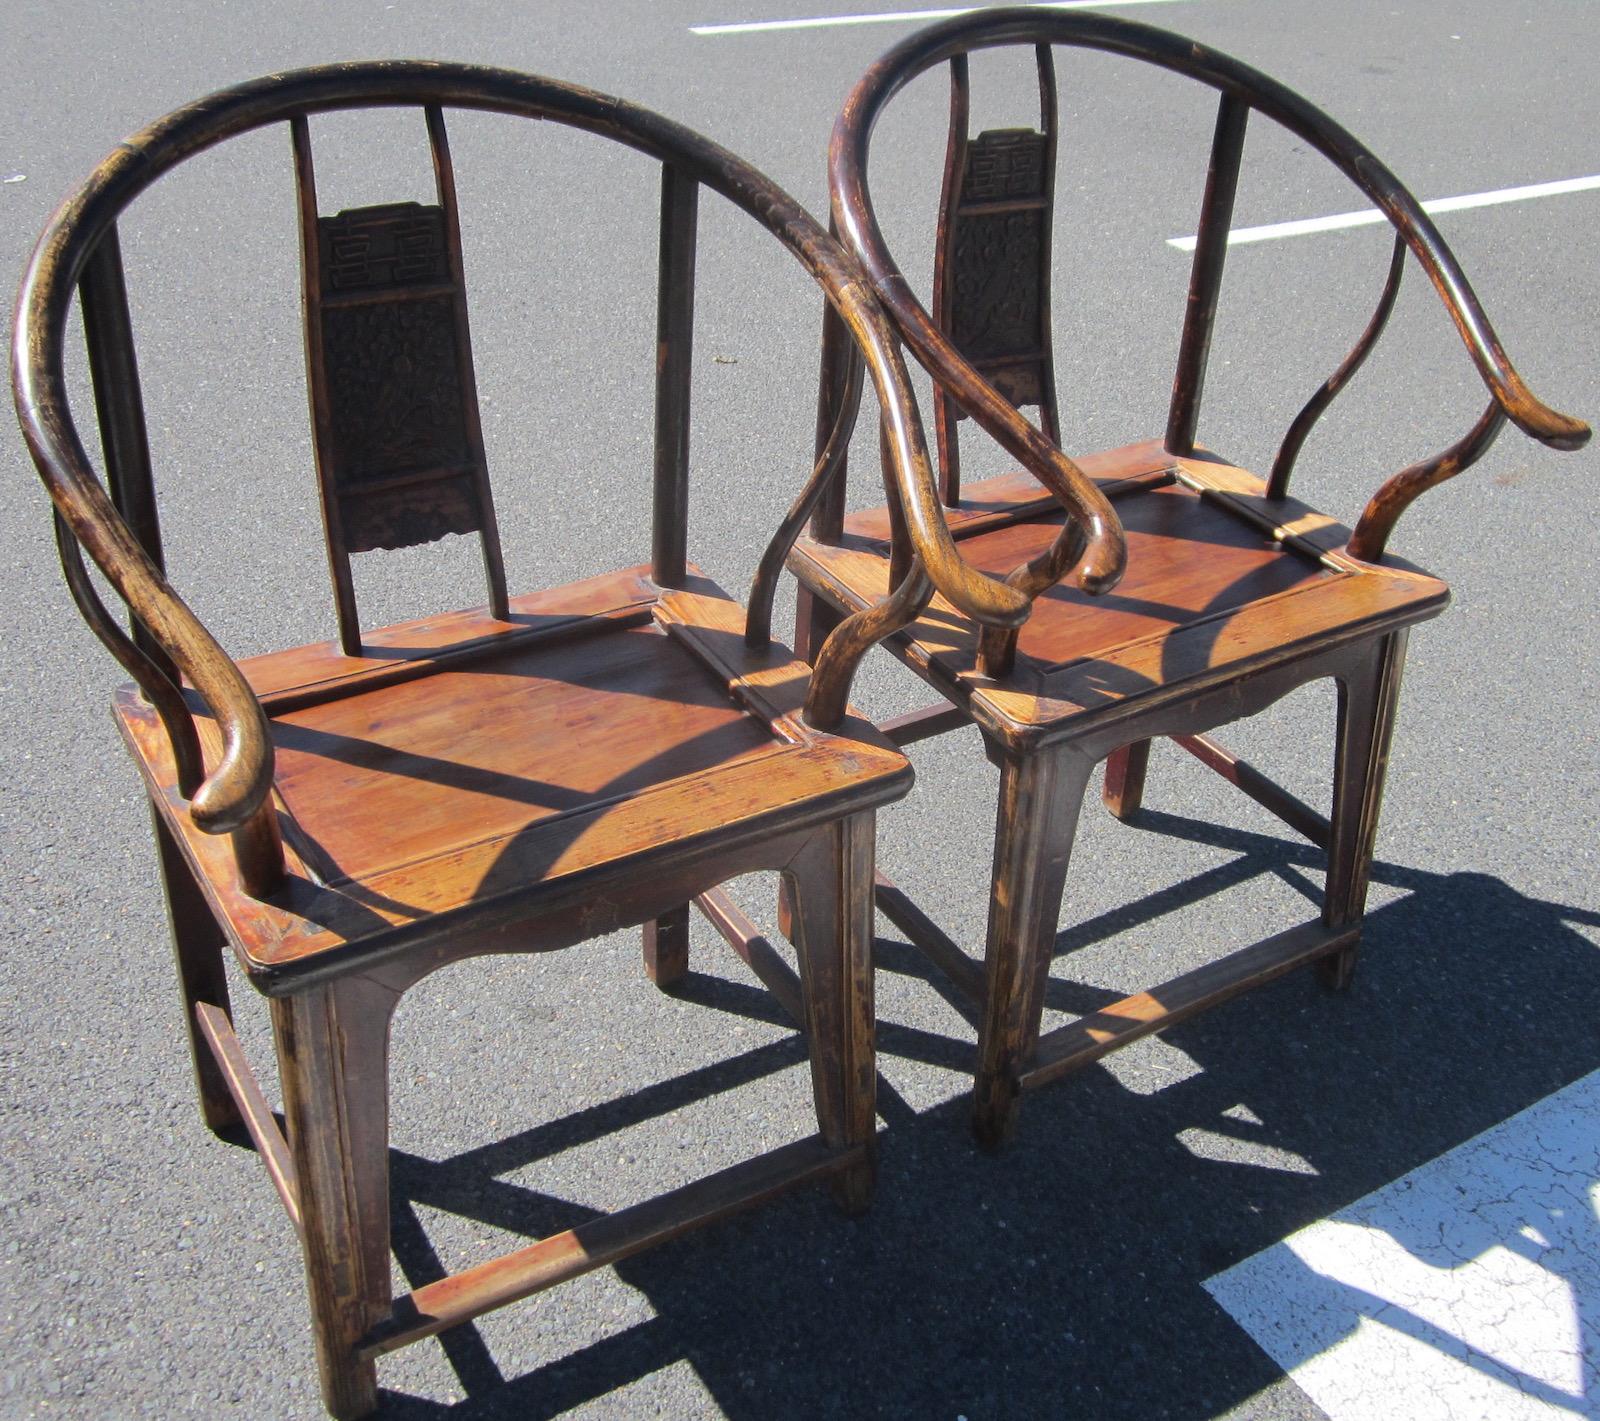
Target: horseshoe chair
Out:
[349,817]
[1171,592]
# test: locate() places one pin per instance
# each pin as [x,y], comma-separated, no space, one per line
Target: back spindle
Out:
[119,408]
[680,205]
[1205,275]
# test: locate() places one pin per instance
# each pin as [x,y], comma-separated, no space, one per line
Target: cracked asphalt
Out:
[147,1270]
[1465,1288]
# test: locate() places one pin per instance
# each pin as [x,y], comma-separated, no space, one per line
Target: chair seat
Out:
[465,771]
[1219,580]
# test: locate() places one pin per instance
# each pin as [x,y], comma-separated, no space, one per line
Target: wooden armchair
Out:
[1170,591]
[349,817]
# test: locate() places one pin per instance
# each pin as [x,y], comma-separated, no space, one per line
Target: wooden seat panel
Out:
[304,671]
[1212,585]
[1187,559]
[1005,495]
[591,734]
[499,742]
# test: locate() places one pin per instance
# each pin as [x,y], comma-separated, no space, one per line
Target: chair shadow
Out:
[1065,1276]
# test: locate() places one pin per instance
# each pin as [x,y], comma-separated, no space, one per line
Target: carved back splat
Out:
[991,277]
[394,403]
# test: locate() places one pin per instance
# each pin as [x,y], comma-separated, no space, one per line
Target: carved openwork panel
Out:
[397,432]
[418,513]
[399,244]
[996,251]
[1004,164]
[393,387]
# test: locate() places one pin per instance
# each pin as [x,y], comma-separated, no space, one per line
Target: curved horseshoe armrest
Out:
[980,596]
[238,785]
[1105,553]
[856,220]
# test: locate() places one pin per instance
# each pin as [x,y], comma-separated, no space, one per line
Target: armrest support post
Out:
[1371,535]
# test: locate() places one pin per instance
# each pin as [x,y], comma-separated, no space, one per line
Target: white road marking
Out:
[1466,1288]
[1369,216]
[889,17]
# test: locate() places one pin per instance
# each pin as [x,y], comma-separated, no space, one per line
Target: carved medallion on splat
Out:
[398,244]
[1004,164]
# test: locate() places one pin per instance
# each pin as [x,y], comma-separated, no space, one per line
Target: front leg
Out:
[1368,701]
[829,886]
[1040,798]
[333,1063]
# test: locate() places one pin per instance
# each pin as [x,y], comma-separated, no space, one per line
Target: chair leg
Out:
[666,947]
[814,621]
[333,1062]
[1368,701]
[1124,787]
[1040,799]
[197,947]
[829,887]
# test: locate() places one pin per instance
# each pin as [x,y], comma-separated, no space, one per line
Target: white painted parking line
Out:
[890,17]
[1468,1288]
[1368,216]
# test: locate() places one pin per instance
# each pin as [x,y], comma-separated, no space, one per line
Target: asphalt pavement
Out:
[147,1269]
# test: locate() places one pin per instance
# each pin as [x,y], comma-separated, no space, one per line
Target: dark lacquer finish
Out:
[517,778]
[1228,592]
